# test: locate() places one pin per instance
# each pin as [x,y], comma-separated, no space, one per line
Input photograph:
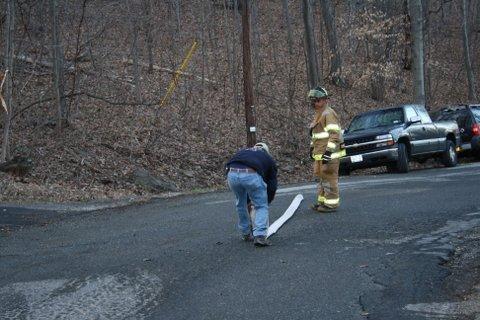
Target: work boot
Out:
[261,241]
[314,206]
[247,237]
[324,208]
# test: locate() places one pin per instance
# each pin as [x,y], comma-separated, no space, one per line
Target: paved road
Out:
[380,257]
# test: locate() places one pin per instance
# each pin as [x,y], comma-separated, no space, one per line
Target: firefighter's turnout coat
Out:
[326,134]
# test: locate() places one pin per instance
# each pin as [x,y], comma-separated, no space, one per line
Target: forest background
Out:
[82,116]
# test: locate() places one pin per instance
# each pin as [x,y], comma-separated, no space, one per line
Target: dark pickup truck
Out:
[467,117]
[392,137]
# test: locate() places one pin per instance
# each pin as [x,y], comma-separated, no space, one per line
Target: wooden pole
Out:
[247,76]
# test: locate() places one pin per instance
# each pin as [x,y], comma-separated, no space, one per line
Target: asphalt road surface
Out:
[381,256]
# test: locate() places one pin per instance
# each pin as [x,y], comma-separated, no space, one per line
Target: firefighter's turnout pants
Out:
[328,193]
[327,137]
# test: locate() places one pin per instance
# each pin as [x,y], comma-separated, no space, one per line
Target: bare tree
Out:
[288,22]
[291,81]
[257,63]
[428,40]
[135,49]
[328,13]
[201,118]
[235,69]
[466,53]
[176,5]
[379,58]
[147,11]
[75,82]
[291,70]
[416,14]
[314,74]
[407,54]
[9,43]
[58,67]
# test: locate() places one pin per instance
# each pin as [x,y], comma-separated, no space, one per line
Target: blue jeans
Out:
[251,184]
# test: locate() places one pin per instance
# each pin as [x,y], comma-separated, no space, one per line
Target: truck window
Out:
[409,113]
[462,120]
[460,116]
[380,118]
[424,115]
[476,113]
[447,116]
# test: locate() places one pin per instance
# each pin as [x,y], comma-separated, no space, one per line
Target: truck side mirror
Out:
[415,119]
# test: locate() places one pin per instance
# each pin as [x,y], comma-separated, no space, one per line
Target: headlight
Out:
[387,140]
[384,137]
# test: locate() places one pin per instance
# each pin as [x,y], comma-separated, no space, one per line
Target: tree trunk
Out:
[247,75]
[177,14]
[58,67]
[235,64]
[472,96]
[257,62]
[75,82]
[227,52]
[290,76]
[378,78]
[288,22]
[314,75]
[328,13]
[135,50]
[407,54]
[8,62]
[201,119]
[174,31]
[477,17]
[379,46]
[427,52]
[147,8]
[416,14]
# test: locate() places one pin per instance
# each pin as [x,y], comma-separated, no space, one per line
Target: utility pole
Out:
[247,76]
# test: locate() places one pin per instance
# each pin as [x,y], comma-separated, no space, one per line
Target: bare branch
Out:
[158,68]
[43,63]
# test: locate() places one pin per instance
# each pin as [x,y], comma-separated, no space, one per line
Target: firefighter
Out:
[326,149]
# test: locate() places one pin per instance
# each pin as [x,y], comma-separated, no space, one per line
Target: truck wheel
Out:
[449,156]
[402,161]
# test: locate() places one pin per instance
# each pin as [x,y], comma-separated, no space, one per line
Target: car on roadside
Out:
[394,136]
[467,117]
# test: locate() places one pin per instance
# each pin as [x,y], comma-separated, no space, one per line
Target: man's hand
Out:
[327,157]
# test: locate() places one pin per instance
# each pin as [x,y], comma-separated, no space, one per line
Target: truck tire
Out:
[449,156]
[402,161]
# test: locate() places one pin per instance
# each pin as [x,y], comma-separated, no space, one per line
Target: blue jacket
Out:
[262,162]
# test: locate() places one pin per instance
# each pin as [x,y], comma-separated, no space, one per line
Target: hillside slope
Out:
[118,128]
